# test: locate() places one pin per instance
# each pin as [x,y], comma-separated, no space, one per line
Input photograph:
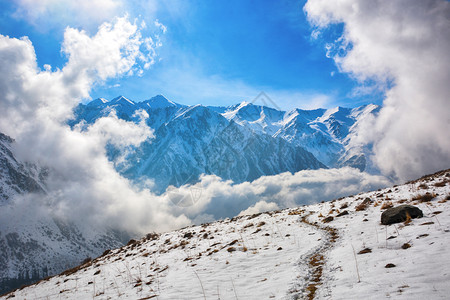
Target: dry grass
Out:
[365,250]
[316,263]
[408,219]
[363,205]
[406,246]
[387,205]
[423,186]
[360,207]
[441,183]
[424,197]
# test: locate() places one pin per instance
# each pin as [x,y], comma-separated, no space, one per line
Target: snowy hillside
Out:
[331,250]
[241,142]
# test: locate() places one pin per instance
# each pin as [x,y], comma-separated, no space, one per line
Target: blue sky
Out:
[213,53]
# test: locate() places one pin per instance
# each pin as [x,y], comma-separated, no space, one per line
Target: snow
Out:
[97,102]
[277,255]
[122,100]
[159,101]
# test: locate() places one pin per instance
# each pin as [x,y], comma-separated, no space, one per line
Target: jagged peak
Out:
[159,101]
[121,99]
[98,102]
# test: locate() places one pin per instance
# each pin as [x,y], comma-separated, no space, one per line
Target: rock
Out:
[328,219]
[343,213]
[389,266]
[398,214]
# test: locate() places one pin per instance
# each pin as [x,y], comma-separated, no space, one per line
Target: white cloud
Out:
[403,44]
[160,26]
[225,199]
[261,206]
[83,185]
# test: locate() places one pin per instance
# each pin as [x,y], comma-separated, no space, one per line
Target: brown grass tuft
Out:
[422,186]
[387,205]
[365,250]
[406,246]
[427,197]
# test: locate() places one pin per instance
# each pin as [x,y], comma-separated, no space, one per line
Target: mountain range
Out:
[241,142]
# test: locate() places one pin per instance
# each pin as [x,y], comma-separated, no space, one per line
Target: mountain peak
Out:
[159,101]
[97,102]
[121,99]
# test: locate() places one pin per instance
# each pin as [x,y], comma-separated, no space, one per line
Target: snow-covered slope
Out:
[331,250]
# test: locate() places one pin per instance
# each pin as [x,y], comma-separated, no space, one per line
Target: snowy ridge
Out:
[159,101]
[331,250]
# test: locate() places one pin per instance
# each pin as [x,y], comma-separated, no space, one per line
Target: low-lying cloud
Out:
[220,198]
[402,48]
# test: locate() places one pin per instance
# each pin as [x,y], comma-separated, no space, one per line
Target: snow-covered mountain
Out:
[17,177]
[331,250]
[194,140]
[33,242]
[324,133]
[242,142]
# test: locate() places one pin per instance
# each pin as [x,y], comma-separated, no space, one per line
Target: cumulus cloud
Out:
[402,48]
[82,185]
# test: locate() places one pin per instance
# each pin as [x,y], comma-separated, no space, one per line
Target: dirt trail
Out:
[315,259]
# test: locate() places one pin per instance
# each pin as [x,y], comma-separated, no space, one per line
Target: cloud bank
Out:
[401,47]
[220,199]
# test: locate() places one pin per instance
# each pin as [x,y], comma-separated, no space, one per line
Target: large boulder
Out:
[398,214]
